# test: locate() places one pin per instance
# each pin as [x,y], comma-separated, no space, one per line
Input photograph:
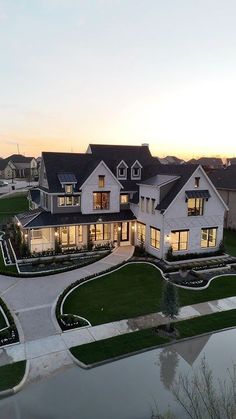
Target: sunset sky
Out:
[161,72]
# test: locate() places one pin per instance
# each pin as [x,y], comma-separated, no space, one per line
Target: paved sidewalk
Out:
[50,354]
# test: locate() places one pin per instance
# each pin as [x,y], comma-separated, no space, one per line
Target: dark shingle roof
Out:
[40,218]
[224,178]
[207,161]
[184,172]
[35,195]
[19,158]
[128,153]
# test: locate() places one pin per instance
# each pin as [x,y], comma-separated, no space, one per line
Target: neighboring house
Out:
[25,167]
[170,160]
[7,169]
[225,182]
[123,195]
[230,161]
[208,162]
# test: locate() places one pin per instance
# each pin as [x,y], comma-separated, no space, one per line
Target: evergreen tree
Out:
[169,301]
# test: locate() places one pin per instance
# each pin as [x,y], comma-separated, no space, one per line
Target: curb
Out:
[151,348]
[18,387]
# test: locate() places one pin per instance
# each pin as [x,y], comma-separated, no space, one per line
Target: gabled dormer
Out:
[67,181]
[121,170]
[136,170]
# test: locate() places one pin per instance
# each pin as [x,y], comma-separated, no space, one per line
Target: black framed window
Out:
[179,240]
[155,236]
[101,200]
[195,206]
[100,232]
[208,237]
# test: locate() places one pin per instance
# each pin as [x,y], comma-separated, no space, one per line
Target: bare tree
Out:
[203,397]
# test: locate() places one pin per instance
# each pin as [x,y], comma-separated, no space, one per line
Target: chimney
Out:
[145,145]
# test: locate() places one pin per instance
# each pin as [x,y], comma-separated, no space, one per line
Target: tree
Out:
[202,396]
[169,301]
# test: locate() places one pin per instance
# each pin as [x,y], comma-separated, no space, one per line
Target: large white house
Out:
[124,195]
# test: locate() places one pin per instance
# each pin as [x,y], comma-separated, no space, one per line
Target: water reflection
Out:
[125,389]
[168,361]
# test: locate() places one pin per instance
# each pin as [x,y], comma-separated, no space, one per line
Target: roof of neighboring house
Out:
[231,160]
[34,195]
[40,218]
[207,161]
[224,178]
[19,158]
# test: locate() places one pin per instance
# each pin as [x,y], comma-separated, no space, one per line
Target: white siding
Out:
[91,185]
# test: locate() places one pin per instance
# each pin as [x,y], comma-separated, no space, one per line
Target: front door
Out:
[124,233]
[67,236]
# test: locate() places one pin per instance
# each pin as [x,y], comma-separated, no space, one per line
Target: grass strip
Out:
[121,345]
[11,375]
[117,346]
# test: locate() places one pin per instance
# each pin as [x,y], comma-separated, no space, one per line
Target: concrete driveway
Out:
[32,299]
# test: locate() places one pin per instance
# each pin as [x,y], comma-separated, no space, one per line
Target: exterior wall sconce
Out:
[56,233]
[119,228]
[26,235]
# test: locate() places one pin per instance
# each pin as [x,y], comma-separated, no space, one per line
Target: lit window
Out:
[179,240]
[208,237]
[36,234]
[155,237]
[141,232]
[195,206]
[61,201]
[101,200]
[100,232]
[69,200]
[101,181]
[68,188]
[124,198]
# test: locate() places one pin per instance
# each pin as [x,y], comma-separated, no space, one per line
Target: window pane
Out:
[155,237]
[101,181]
[71,234]
[80,234]
[61,201]
[69,200]
[76,200]
[106,231]
[68,188]
[124,198]
[124,231]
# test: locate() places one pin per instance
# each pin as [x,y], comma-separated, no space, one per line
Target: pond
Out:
[125,389]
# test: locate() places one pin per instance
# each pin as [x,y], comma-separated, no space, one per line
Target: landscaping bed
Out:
[10,206]
[11,375]
[134,290]
[9,334]
[117,346]
[61,262]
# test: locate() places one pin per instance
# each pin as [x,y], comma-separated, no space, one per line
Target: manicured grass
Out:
[11,375]
[120,345]
[135,290]
[117,346]
[6,269]
[11,206]
[206,324]
[230,242]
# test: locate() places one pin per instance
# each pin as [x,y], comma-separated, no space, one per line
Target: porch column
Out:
[119,234]
[133,233]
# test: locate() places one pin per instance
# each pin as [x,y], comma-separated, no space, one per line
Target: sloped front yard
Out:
[135,290]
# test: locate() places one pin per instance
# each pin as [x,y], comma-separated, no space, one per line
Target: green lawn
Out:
[230,242]
[6,269]
[120,345]
[132,291]
[11,375]
[11,206]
